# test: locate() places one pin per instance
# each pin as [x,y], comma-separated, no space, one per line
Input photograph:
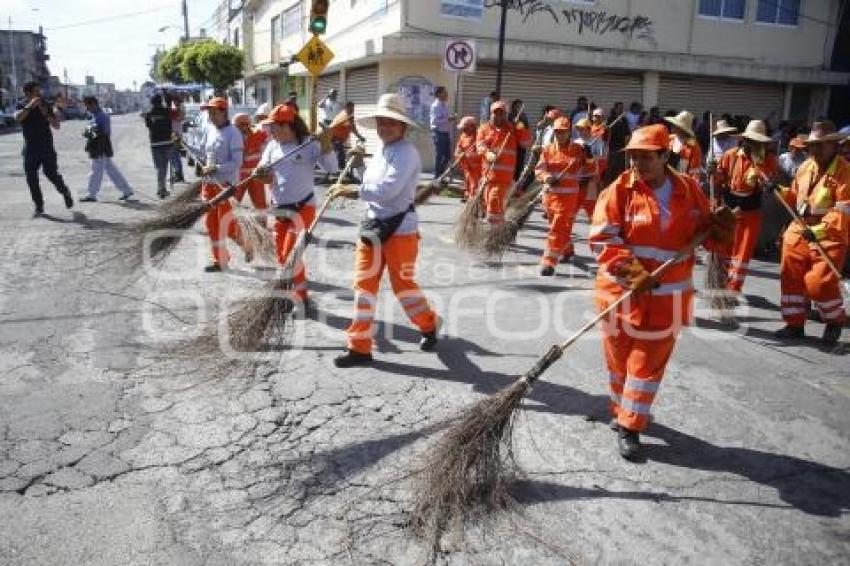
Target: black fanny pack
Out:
[381,229]
[295,206]
[750,202]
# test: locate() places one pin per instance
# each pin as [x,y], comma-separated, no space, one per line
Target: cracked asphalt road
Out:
[112,452]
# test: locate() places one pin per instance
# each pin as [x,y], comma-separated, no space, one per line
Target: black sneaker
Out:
[352,359]
[69,200]
[628,443]
[428,341]
[162,194]
[126,197]
[38,213]
[790,333]
[831,334]
[547,271]
[88,198]
[214,268]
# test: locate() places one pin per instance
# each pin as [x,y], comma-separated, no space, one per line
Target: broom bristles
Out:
[262,318]
[716,278]
[503,235]
[424,192]
[187,196]
[469,231]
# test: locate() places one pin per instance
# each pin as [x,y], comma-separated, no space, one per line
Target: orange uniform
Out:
[739,178]
[600,131]
[220,224]
[470,163]
[341,127]
[633,221]
[253,150]
[689,156]
[561,201]
[823,199]
[499,175]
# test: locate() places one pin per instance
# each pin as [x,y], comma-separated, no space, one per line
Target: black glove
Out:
[588,151]
[809,236]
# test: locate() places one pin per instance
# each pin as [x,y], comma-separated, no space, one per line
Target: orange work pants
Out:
[495,195]
[286,231]
[471,178]
[398,256]
[220,224]
[738,256]
[560,212]
[636,358]
[256,190]
[806,276]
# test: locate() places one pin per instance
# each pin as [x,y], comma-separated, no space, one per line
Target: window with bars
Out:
[778,12]
[723,9]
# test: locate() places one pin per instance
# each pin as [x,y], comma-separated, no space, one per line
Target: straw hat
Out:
[466,121]
[824,132]
[757,132]
[684,120]
[723,127]
[499,105]
[599,112]
[389,106]
[652,138]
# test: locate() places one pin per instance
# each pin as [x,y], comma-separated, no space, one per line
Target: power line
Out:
[110,18]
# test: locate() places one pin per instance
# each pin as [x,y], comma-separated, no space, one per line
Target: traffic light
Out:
[319,17]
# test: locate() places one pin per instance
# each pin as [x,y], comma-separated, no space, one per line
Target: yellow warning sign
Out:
[315,55]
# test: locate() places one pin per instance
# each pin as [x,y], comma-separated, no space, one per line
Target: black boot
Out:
[790,333]
[547,271]
[353,359]
[831,334]
[628,442]
[428,341]
[69,200]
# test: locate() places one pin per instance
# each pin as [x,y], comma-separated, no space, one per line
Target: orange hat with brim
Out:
[499,105]
[797,142]
[217,102]
[562,123]
[650,138]
[281,114]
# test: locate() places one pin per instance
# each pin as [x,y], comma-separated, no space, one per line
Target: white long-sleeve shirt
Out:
[293,176]
[389,184]
[223,148]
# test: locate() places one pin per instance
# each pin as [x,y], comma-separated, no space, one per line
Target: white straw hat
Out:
[723,127]
[756,131]
[389,106]
[684,120]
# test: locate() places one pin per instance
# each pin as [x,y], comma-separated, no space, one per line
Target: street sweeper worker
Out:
[595,147]
[642,219]
[389,233]
[560,162]
[293,202]
[820,194]
[497,143]
[599,130]
[741,175]
[685,153]
[467,154]
[254,140]
[223,147]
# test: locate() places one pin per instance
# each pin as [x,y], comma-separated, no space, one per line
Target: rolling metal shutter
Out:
[361,87]
[701,94]
[539,86]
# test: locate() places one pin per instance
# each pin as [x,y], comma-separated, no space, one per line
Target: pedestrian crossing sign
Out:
[315,55]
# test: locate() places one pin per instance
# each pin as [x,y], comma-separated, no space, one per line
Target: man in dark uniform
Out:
[36,118]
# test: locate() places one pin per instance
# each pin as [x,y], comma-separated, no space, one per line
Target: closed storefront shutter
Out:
[559,86]
[721,96]
[361,87]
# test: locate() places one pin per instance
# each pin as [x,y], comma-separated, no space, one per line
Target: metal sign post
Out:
[315,56]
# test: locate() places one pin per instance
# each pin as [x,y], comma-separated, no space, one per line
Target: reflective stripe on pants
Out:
[805,274]
[286,231]
[220,224]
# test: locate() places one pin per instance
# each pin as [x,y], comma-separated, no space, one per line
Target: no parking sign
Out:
[459,56]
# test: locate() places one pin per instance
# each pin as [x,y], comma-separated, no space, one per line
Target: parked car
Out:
[6,118]
[74,112]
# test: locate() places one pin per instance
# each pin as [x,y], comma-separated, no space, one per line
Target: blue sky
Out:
[117,50]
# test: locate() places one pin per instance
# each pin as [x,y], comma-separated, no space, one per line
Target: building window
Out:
[778,12]
[292,20]
[275,30]
[723,9]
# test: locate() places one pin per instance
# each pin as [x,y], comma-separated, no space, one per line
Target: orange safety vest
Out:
[491,138]
[554,159]
[823,196]
[627,225]
[470,159]
[690,157]
[737,171]
[253,149]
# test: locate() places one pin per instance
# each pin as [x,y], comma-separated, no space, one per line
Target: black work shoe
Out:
[566,258]
[39,212]
[214,268]
[162,194]
[352,359]
[428,341]
[790,332]
[547,271]
[831,334]
[88,198]
[69,200]
[126,197]
[628,442]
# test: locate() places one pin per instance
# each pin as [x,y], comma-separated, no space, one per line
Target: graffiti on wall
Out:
[581,20]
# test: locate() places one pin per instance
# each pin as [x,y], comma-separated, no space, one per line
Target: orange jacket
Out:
[343,128]
[253,145]
[627,225]
[491,138]
[466,148]
[737,171]
[690,157]
[827,194]
[567,161]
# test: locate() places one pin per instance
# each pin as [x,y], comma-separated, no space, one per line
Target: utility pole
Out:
[185,21]
[502,25]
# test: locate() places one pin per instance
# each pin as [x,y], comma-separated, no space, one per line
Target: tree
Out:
[212,63]
[170,66]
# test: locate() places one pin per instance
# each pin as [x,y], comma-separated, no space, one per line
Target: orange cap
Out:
[241,118]
[797,142]
[562,123]
[553,114]
[217,102]
[652,138]
[499,105]
[282,113]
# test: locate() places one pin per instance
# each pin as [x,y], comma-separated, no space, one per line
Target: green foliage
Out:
[168,68]
[205,61]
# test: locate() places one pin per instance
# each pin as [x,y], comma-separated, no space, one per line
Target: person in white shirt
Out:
[389,233]
[330,107]
[292,184]
[791,160]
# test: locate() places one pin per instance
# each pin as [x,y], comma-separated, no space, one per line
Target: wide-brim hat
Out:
[723,127]
[757,132]
[389,106]
[824,132]
[684,120]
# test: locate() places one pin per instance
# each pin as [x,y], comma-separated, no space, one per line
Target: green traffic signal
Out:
[318,24]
